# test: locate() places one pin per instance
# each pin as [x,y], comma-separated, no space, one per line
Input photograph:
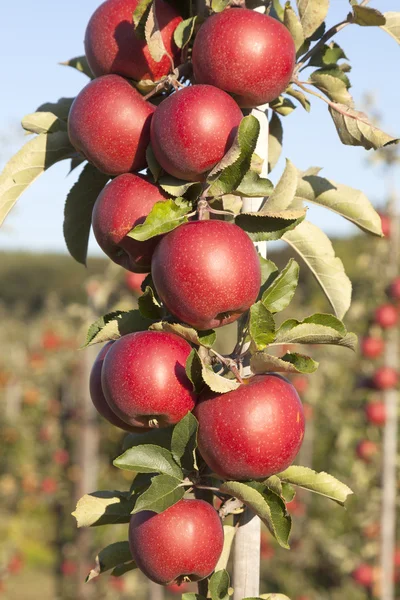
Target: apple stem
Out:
[229,363]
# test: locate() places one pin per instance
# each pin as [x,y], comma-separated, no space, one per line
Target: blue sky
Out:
[35,36]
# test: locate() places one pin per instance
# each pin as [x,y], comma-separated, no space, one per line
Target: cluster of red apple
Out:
[206,272]
[386,316]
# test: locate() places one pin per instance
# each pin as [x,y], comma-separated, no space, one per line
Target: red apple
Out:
[366,450]
[15,564]
[49,485]
[245,53]
[372,347]
[97,394]
[144,379]
[364,575]
[68,568]
[252,432]
[112,46]
[134,281]
[394,289]
[301,383]
[296,508]
[207,273]
[386,316]
[376,413]
[385,378]
[267,551]
[193,129]
[184,541]
[109,123]
[50,340]
[122,204]
[61,457]
[386,225]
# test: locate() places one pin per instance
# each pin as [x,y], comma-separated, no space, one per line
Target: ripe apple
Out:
[134,281]
[386,316]
[386,226]
[245,53]
[301,383]
[122,204]
[97,394]
[109,123]
[144,379]
[364,575]
[207,273]
[15,564]
[385,378]
[184,541]
[372,347]
[267,551]
[366,450]
[376,413]
[296,507]
[394,289]
[49,485]
[61,457]
[193,129]
[252,432]
[396,557]
[112,46]
[50,340]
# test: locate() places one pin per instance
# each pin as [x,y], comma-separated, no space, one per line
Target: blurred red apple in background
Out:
[386,316]
[376,412]
[372,347]
[364,575]
[366,450]
[134,281]
[385,378]
[386,225]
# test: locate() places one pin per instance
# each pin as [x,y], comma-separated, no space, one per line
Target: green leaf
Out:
[60,108]
[140,11]
[283,106]
[149,306]
[274,484]
[148,458]
[184,32]
[175,187]
[153,35]
[78,211]
[355,128]
[219,5]
[123,569]
[327,56]
[43,122]
[292,362]
[367,17]
[269,226]
[163,217]
[254,186]
[110,557]
[320,483]
[38,155]
[194,369]
[184,442]
[157,437]
[300,97]
[280,293]
[215,382]
[285,190]
[317,329]
[315,248]
[200,338]
[268,268]
[292,22]
[348,202]
[312,14]
[103,508]
[273,597]
[228,174]
[152,163]
[267,505]
[79,63]
[331,82]
[275,137]
[192,596]
[164,491]
[392,25]
[229,536]
[219,585]
[261,326]
[276,10]
[113,325]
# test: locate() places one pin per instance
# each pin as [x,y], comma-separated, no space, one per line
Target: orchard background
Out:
[54,449]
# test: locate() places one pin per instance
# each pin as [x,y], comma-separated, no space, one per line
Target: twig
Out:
[327,36]
[229,364]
